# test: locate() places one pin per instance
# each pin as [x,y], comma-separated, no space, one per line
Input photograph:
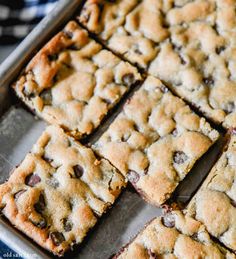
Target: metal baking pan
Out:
[19,130]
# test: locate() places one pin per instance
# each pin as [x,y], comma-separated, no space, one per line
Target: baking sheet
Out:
[19,129]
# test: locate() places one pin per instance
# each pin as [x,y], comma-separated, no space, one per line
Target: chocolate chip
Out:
[52,57]
[220,49]
[133,176]
[42,223]
[69,34]
[164,89]
[18,194]
[28,94]
[137,50]
[151,254]
[128,79]
[107,101]
[78,170]
[67,225]
[47,159]
[229,107]
[57,238]
[32,179]
[168,220]
[73,47]
[46,96]
[175,132]
[195,236]
[40,205]
[208,80]
[179,157]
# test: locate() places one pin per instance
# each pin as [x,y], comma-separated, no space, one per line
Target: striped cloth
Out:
[18,17]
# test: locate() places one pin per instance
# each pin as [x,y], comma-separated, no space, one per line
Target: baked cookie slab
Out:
[215,202]
[173,236]
[155,141]
[73,82]
[58,192]
[189,45]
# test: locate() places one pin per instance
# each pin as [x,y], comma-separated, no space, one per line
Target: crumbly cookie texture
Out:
[60,189]
[173,236]
[155,141]
[74,82]
[188,44]
[215,202]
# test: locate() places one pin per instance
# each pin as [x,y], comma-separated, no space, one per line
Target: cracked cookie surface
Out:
[173,236]
[155,141]
[60,189]
[215,202]
[190,45]
[74,82]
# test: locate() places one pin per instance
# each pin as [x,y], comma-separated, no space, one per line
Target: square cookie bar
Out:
[173,236]
[73,82]
[189,45]
[215,202]
[155,141]
[58,192]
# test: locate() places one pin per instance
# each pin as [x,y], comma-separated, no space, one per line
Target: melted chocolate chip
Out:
[230,107]
[47,159]
[164,89]
[208,81]
[133,176]
[78,170]
[128,79]
[52,57]
[67,225]
[107,101]
[18,194]
[220,49]
[179,157]
[42,223]
[57,238]
[32,179]
[28,94]
[46,96]
[175,132]
[151,254]
[168,220]
[195,236]
[73,47]
[69,34]
[40,205]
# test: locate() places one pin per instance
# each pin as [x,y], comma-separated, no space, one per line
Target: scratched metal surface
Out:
[19,129]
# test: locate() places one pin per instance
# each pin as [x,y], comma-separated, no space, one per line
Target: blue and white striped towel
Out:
[18,17]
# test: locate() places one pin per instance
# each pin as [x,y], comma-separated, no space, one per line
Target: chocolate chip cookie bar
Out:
[173,236]
[155,141]
[58,192]
[73,82]
[189,45]
[215,202]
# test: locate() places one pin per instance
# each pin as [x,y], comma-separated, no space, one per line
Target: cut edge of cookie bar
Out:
[74,82]
[154,129]
[173,234]
[56,195]
[214,202]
